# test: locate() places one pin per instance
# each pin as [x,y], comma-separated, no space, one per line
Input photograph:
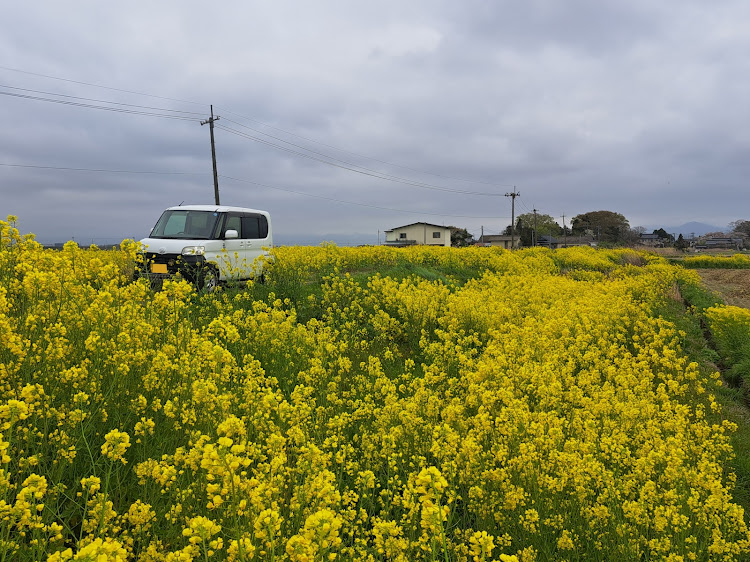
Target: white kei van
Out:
[207,244]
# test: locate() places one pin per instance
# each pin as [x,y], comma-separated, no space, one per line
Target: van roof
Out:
[215,208]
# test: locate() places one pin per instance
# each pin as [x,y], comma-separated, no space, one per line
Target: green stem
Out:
[105,494]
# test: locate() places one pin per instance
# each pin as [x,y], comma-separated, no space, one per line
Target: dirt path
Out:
[732,284]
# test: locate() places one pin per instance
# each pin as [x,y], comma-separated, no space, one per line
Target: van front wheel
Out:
[210,280]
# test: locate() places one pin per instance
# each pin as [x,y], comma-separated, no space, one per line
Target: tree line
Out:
[606,228]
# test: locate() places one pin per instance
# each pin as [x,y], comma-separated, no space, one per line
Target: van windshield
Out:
[190,225]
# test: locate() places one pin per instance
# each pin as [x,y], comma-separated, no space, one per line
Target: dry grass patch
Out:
[733,285]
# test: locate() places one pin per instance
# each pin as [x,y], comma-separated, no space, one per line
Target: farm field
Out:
[363,404]
[732,284]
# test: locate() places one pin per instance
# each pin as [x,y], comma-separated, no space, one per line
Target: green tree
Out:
[606,226]
[664,235]
[545,226]
[460,237]
[681,243]
[740,227]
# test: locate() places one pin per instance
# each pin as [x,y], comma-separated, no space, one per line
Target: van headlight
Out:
[193,251]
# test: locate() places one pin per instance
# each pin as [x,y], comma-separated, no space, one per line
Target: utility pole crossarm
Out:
[210,123]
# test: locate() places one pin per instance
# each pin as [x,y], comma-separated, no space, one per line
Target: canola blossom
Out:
[534,405]
[737,261]
[730,330]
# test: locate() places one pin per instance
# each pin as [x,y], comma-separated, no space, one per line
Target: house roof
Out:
[497,237]
[416,223]
[723,240]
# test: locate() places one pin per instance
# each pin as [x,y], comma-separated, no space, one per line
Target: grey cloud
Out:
[632,106]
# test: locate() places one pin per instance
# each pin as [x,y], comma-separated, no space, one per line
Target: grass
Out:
[734,396]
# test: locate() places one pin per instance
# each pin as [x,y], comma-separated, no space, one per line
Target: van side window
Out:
[234,223]
[254,226]
[200,224]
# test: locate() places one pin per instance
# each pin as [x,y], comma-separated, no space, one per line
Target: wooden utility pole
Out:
[565,232]
[536,233]
[513,196]
[213,152]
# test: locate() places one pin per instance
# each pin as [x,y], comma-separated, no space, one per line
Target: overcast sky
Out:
[441,107]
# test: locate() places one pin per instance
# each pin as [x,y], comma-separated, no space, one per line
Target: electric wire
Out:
[380,174]
[251,119]
[101,101]
[344,201]
[100,86]
[324,158]
[102,170]
[355,203]
[363,171]
[353,153]
[105,108]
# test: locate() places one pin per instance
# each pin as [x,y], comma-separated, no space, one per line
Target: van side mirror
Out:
[231,233]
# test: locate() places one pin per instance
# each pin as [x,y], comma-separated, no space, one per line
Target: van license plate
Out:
[158,268]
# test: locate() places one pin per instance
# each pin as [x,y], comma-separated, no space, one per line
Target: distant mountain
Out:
[353,239]
[696,228]
[690,229]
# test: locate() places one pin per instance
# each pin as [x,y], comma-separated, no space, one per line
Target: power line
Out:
[363,171]
[353,153]
[354,202]
[525,207]
[98,85]
[98,100]
[371,171]
[102,107]
[249,118]
[344,201]
[325,158]
[100,170]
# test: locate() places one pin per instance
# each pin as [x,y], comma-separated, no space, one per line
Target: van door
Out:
[255,231]
[233,259]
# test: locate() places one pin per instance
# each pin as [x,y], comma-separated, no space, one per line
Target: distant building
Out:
[548,242]
[422,233]
[652,240]
[723,243]
[501,240]
[570,241]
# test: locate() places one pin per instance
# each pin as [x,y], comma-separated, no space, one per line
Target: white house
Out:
[418,233]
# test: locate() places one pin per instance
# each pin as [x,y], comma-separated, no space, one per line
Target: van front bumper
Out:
[166,266]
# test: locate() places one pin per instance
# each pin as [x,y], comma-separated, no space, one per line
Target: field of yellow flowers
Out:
[479,405]
[736,261]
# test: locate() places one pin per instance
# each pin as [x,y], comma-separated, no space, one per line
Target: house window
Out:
[402,235]
[436,235]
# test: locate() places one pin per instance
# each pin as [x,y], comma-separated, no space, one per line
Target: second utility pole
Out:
[213,152]
[513,216]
